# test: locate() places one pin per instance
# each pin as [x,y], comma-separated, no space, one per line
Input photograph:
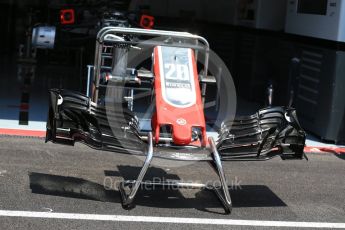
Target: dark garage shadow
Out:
[204,200]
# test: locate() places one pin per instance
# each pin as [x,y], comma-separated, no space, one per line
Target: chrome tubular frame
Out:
[115,35]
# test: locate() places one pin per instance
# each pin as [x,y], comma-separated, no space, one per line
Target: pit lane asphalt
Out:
[39,177]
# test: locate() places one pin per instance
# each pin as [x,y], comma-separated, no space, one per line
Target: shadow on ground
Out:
[203,200]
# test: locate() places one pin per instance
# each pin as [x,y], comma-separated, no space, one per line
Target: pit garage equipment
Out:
[178,127]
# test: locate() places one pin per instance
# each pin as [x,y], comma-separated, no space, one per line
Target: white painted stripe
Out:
[172,220]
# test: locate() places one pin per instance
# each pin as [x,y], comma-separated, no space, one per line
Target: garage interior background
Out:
[291,45]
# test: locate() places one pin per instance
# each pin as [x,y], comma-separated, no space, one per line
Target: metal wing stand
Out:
[128,198]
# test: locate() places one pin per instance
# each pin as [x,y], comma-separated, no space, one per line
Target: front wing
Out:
[269,133]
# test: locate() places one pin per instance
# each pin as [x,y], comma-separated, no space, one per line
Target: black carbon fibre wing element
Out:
[269,133]
[74,118]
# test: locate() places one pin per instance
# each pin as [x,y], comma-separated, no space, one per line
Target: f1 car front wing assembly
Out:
[271,132]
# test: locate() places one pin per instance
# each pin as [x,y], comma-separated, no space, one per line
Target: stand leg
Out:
[127,199]
[224,195]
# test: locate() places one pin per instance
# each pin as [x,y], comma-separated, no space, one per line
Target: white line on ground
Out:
[172,220]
